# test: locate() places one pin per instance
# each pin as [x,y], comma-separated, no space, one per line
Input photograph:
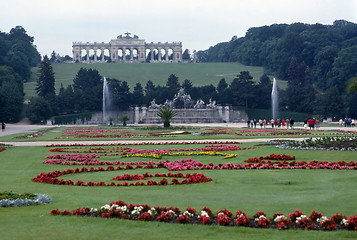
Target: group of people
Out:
[311,123]
[274,123]
[348,122]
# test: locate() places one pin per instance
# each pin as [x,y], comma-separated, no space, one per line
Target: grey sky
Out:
[198,24]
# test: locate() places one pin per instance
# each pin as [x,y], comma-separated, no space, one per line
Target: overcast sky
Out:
[198,24]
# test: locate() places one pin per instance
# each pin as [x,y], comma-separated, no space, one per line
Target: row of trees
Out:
[328,54]
[17,55]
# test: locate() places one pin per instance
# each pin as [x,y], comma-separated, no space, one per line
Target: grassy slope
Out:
[200,73]
[271,191]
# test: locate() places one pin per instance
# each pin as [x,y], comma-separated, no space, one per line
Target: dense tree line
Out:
[17,55]
[325,56]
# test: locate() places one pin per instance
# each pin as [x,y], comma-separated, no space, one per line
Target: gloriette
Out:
[127,49]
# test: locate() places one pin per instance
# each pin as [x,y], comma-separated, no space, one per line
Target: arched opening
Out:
[170,54]
[135,54]
[127,54]
[99,54]
[156,54]
[120,54]
[91,55]
[105,55]
[147,55]
[83,55]
[162,54]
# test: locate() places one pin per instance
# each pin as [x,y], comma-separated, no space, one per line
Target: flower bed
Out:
[52,178]
[36,134]
[144,212]
[148,143]
[11,199]
[341,143]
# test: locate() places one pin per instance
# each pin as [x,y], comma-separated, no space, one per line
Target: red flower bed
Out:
[2,149]
[52,178]
[296,220]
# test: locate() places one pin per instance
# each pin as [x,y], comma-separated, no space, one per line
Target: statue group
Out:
[182,100]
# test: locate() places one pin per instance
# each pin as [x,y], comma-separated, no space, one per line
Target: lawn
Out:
[200,73]
[271,191]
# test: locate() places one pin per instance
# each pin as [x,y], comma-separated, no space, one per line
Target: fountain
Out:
[106,101]
[275,100]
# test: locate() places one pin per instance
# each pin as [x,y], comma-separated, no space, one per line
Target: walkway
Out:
[23,128]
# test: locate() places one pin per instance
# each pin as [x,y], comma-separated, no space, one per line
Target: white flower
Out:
[123,209]
[260,218]
[204,213]
[172,212]
[113,207]
[188,214]
[152,211]
[220,214]
[137,210]
[277,219]
[344,222]
[93,210]
[300,218]
[321,219]
[106,207]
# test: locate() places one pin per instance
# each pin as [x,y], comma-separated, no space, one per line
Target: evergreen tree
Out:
[264,88]
[186,55]
[138,94]
[46,81]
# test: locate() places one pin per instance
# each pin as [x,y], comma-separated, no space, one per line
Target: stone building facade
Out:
[127,49]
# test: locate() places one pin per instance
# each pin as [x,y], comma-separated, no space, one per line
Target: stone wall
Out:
[144,115]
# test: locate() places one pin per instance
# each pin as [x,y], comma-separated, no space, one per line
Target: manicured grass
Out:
[200,73]
[271,191]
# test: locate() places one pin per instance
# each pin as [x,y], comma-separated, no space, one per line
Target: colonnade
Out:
[132,49]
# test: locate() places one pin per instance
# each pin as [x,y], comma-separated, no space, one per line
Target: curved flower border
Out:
[39,199]
[52,178]
[143,212]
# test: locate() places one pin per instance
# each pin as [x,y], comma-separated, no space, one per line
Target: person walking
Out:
[3,126]
[292,122]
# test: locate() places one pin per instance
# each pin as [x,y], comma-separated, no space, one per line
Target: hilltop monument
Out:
[126,48]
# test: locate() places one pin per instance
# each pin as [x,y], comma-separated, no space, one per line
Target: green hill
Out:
[199,73]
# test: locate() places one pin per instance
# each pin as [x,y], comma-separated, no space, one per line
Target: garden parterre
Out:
[218,160]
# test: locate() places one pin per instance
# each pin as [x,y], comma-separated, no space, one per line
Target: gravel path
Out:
[23,128]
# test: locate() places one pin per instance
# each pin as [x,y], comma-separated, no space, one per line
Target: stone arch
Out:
[120,54]
[135,54]
[83,54]
[91,54]
[105,54]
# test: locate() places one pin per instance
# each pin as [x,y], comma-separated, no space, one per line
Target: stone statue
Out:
[200,104]
[168,103]
[212,104]
[154,105]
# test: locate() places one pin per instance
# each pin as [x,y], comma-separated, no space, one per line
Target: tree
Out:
[124,118]
[187,85]
[138,95]
[186,55]
[11,95]
[166,113]
[39,110]
[264,88]
[121,94]
[352,85]
[88,89]
[46,81]
[242,89]
[173,83]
